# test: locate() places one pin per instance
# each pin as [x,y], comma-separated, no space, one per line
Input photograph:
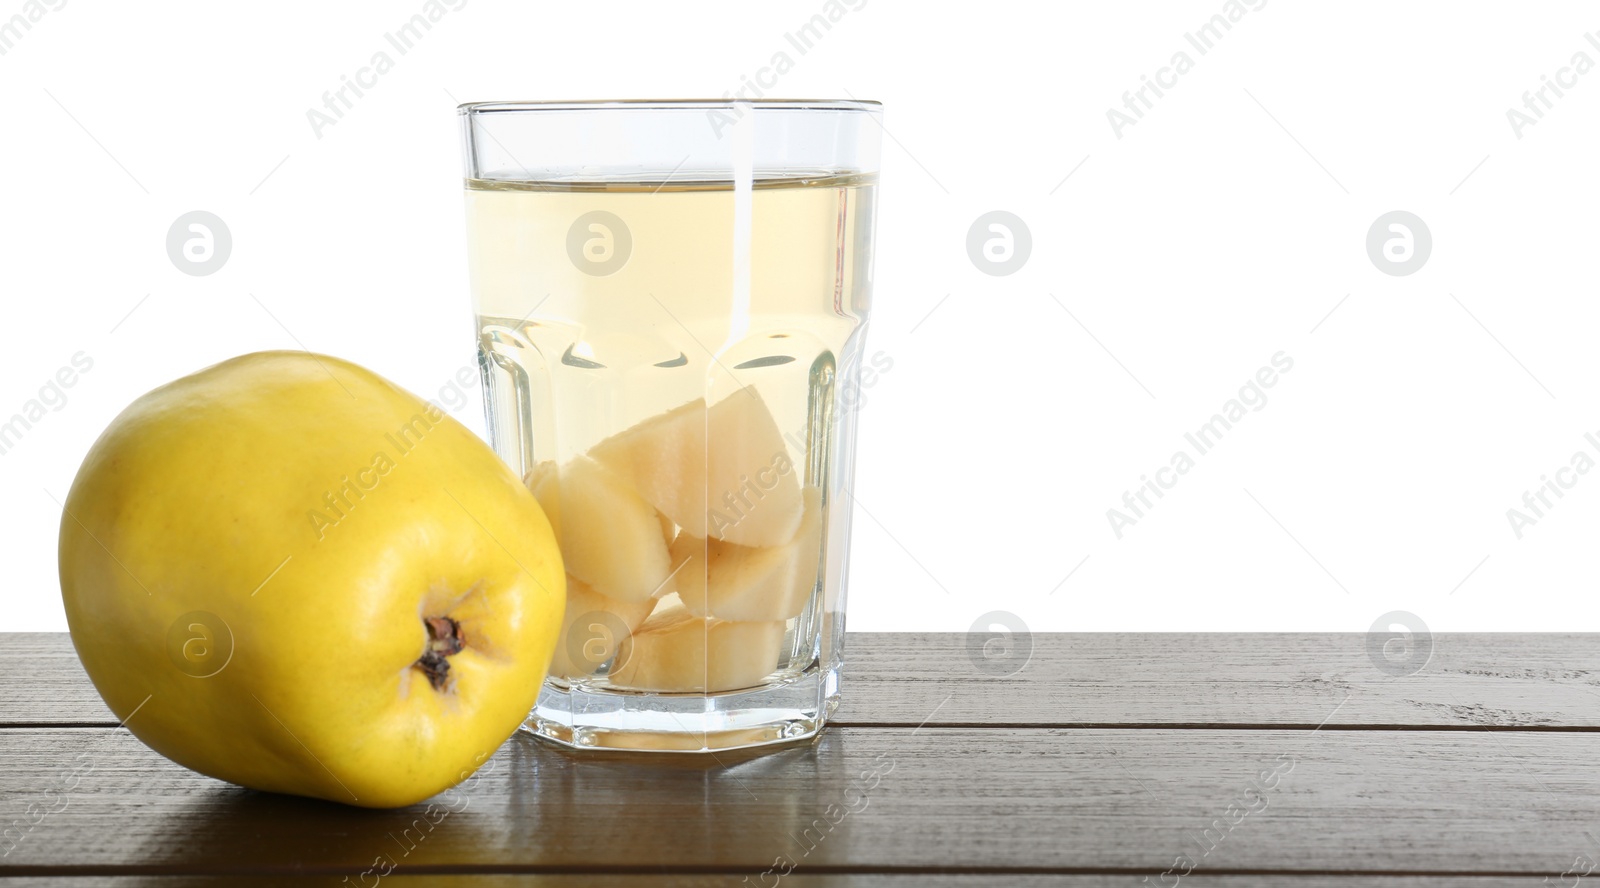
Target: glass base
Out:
[582,717]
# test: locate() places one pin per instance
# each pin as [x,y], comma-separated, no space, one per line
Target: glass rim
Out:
[855,105]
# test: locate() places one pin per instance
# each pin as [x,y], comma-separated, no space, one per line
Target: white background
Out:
[1227,225]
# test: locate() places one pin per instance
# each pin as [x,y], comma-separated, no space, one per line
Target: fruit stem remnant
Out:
[444,639]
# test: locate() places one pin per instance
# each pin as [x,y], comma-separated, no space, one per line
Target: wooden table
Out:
[1116,759]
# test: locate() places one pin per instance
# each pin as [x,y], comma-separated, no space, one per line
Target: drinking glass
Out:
[671,302]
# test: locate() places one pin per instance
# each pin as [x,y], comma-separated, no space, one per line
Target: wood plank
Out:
[1517,681]
[799,880]
[1001,800]
[50,685]
[1520,680]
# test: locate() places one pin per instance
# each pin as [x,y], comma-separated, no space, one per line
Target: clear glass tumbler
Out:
[672,302]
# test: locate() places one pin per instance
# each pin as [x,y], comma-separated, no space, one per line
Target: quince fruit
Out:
[288,573]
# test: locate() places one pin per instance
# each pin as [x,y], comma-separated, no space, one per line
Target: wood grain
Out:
[1004,801]
[56,690]
[1517,681]
[799,880]
[1244,679]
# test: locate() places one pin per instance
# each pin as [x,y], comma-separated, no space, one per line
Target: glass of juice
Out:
[672,302]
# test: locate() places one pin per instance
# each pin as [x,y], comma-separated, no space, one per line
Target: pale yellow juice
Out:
[663,363]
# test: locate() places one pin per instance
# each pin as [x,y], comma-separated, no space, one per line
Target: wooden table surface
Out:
[1108,759]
